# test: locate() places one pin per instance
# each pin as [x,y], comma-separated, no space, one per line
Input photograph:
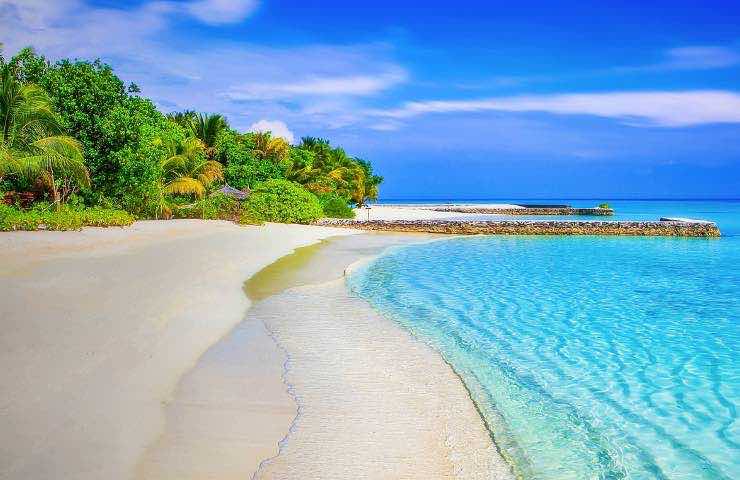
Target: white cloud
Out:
[319,86]
[386,126]
[217,12]
[695,57]
[651,108]
[309,86]
[276,127]
[700,57]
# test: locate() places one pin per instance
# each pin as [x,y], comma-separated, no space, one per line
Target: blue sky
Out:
[465,100]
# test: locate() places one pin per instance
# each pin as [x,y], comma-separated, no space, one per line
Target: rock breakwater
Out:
[511,227]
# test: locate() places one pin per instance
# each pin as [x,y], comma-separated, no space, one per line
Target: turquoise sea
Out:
[588,357]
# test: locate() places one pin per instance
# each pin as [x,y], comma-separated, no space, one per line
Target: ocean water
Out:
[588,357]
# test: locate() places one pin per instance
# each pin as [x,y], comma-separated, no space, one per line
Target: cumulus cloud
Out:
[276,127]
[651,108]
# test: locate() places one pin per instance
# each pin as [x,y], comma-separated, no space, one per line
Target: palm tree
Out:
[267,147]
[371,182]
[186,170]
[206,128]
[32,146]
[184,118]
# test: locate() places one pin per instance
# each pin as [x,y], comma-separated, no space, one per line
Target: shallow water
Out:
[590,357]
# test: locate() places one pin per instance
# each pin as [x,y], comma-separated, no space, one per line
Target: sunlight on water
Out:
[590,357]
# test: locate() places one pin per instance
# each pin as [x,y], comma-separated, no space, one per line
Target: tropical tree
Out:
[371,182]
[267,147]
[184,119]
[206,128]
[186,170]
[83,94]
[32,146]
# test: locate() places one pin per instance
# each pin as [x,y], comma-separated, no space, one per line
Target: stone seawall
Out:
[527,211]
[627,228]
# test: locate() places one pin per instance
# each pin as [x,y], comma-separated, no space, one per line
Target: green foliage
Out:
[137,184]
[32,149]
[605,205]
[243,166]
[335,206]
[122,152]
[12,218]
[186,169]
[207,128]
[217,207]
[83,93]
[66,217]
[284,202]
[371,182]
[332,170]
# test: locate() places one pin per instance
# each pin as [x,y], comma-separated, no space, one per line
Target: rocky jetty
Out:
[511,227]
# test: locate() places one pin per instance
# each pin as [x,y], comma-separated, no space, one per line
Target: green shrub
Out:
[605,205]
[217,207]
[246,218]
[64,218]
[12,218]
[284,202]
[335,206]
[214,207]
[106,217]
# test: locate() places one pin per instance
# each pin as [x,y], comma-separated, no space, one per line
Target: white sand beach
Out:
[98,326]
[128,354]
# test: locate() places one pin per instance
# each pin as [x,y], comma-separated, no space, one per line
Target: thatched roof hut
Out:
[234,193]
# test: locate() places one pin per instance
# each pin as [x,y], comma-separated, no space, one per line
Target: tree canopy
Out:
[74,127]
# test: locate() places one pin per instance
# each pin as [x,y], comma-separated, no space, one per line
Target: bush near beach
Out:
[284,202]
[335,206]
[74,130]
[65,217]
[217,207]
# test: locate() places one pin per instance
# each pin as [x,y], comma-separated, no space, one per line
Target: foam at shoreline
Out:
[373,401]
[364,410]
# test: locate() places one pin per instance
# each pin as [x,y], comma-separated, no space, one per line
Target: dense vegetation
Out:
[76,139]
[283,201]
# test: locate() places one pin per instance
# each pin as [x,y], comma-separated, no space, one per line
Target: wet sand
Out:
[356,396]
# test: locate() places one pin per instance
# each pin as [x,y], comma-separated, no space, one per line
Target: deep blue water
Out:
[589,357]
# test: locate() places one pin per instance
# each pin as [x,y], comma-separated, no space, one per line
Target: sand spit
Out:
[424,212]
[99,325]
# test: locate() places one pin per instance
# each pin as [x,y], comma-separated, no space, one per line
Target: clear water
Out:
[589,357]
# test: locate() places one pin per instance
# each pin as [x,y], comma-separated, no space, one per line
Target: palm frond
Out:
[58,154]
[185,186]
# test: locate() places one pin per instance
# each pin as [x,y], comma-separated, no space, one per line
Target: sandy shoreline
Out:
[119,374]
[98,326]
